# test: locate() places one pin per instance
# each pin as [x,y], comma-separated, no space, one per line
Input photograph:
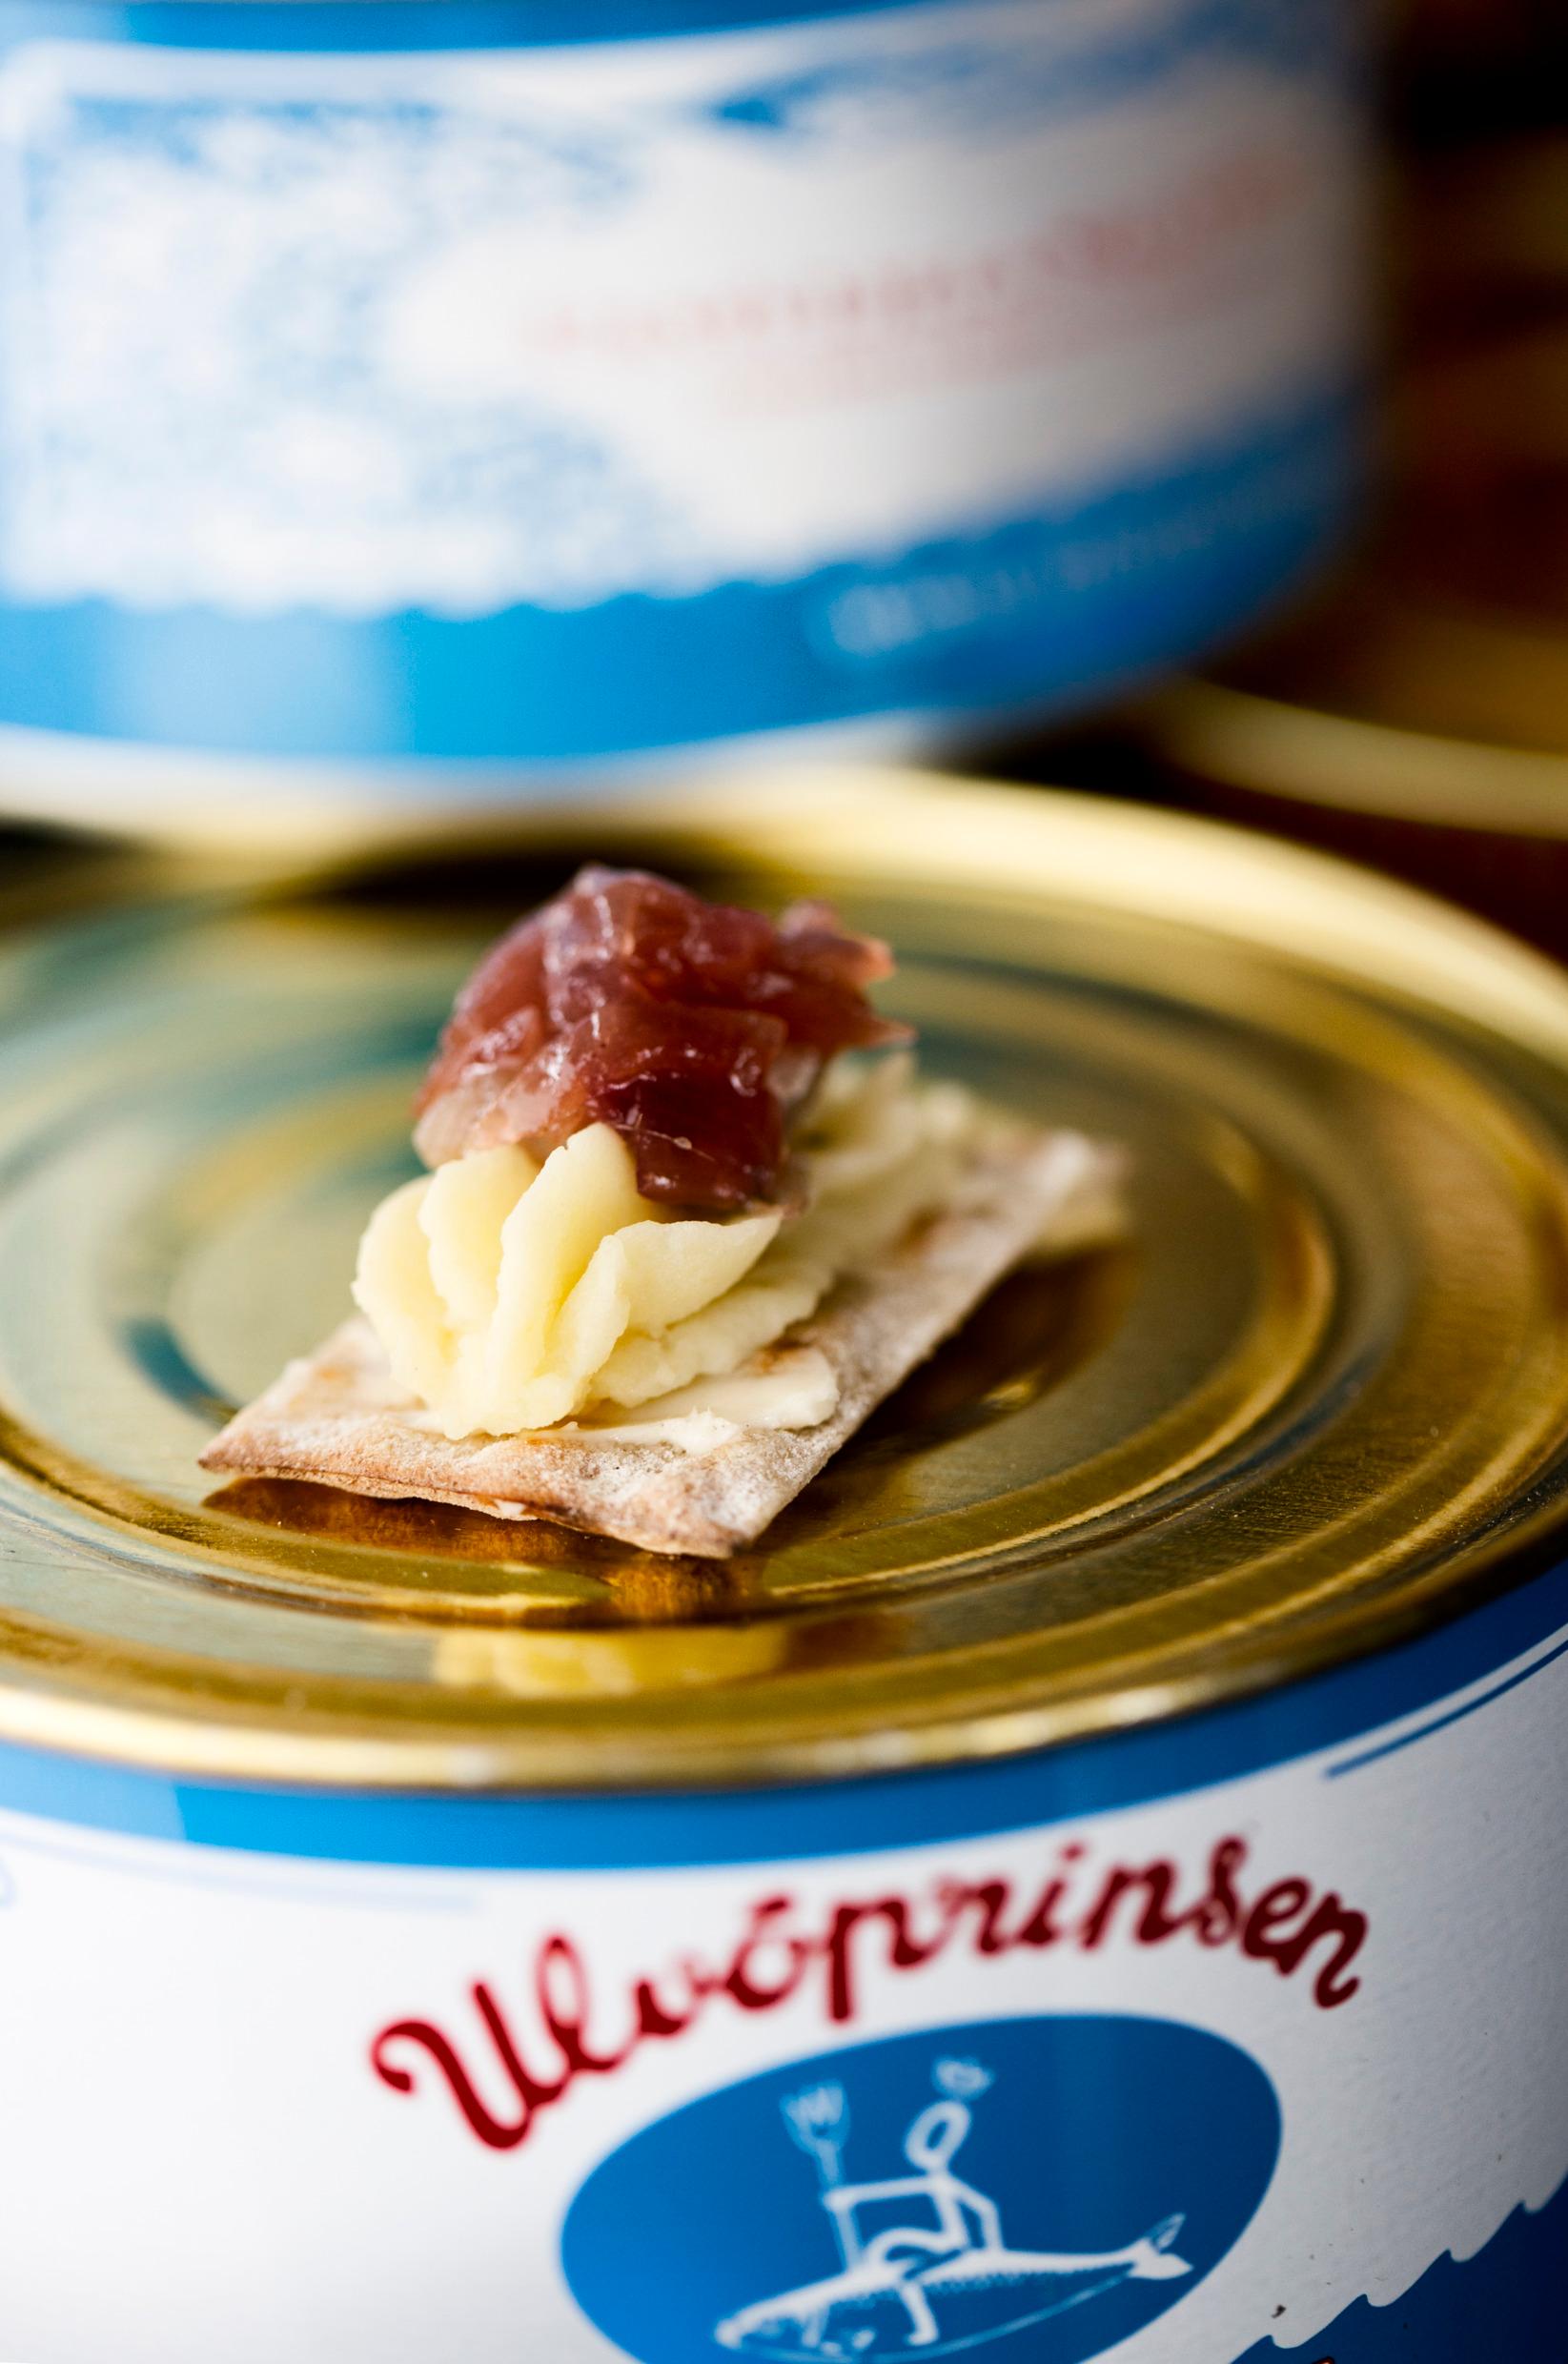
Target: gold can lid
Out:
[1315,1400]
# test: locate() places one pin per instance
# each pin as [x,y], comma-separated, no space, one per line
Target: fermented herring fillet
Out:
[336,1417]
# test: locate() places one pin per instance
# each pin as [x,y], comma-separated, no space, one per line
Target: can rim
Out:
[1268,747]
[247,1755]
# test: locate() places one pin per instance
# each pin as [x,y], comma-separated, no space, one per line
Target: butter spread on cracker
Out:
[510,1293]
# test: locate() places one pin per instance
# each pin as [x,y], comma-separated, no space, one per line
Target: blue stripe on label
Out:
[1036,611]
[1504,2303]
[1454,1715]
[403,25]
[99,1797]
[1304,33]
[831,1818]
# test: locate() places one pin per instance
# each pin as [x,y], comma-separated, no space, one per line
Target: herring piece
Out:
[693,1029]
[335,1417]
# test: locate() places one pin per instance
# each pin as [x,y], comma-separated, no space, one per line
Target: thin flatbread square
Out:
[335,1417]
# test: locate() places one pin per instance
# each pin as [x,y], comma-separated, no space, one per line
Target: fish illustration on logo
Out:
[923,2262]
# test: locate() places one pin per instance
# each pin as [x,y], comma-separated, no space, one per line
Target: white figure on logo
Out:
[945,2238]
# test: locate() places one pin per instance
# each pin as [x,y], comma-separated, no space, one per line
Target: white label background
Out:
[577,336]
[198,2161]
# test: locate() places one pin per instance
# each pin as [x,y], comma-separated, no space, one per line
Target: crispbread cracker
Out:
[335,1417]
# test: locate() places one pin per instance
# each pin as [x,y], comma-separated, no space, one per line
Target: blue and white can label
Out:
[377,387]
[1229,2042]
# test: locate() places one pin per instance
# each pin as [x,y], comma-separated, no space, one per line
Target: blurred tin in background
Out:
[410,406]
[1418,717]
[1417,714]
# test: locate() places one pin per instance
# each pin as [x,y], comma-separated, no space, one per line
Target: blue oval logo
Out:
[1051,2184]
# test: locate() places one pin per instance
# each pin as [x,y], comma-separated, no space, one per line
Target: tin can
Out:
[1413,714]
[411,407]
[1093,1878]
